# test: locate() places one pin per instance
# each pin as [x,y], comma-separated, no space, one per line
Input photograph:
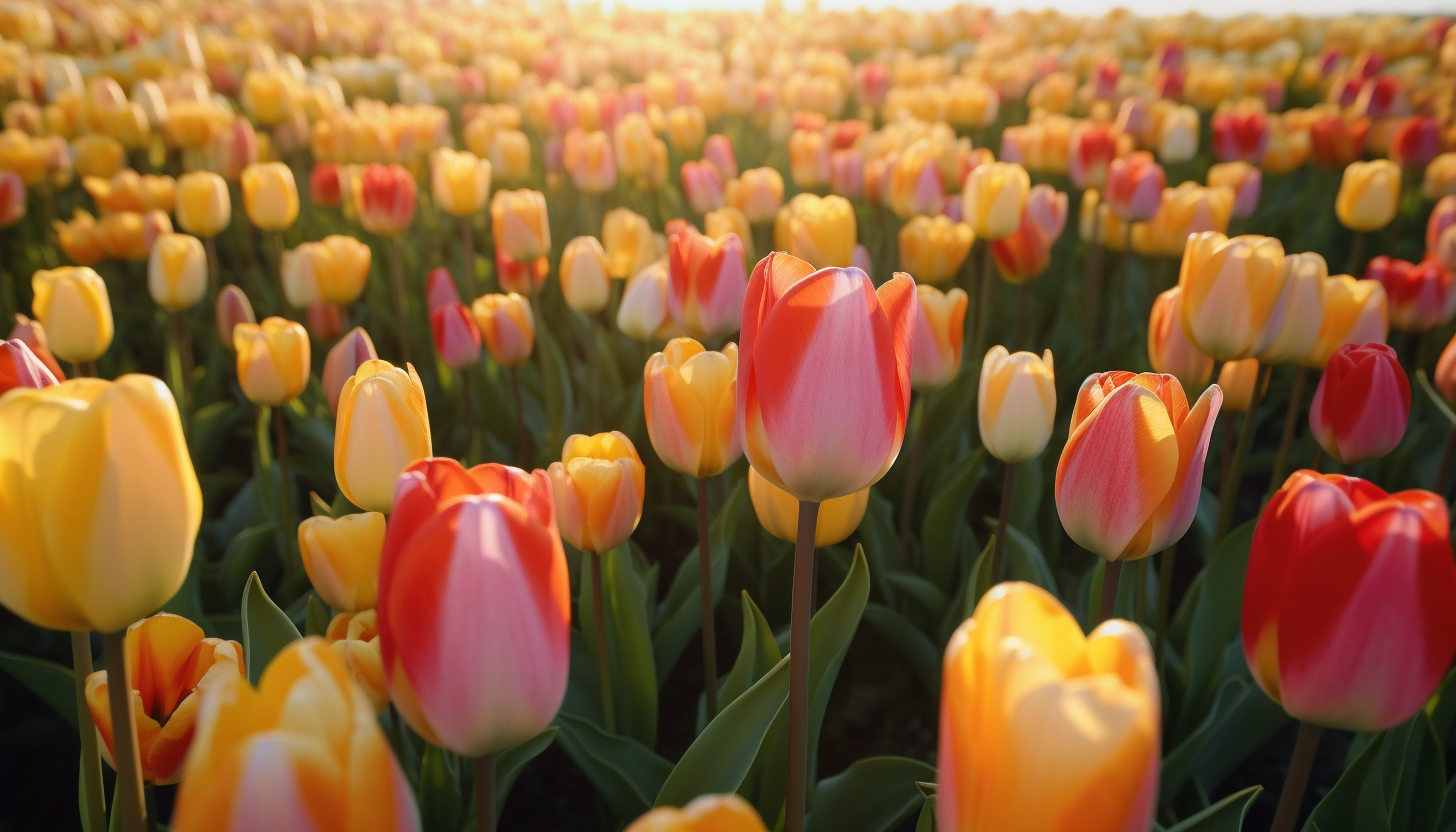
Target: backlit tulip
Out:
[818,230]
[382,427]
[778,512]
[386,199]
[127,235]
[354,637]
[1026,253]
[993,197]
[644,314]
[1237,379]
[1294,326]
[1336,140]
[932,249]
[1177,139]
[73,554]
[510,156]
[846,173]
[1036,719]
[341,556]
[32,334]
[459,181]
[177,272]
[708,813]
[1440,177]
[915,187]
[303,750]
[1369,195]
[172,666]
[204,207]
[331,271]
[706,282]
[1129,478]
[323,185]
[1240,133]
[688,399]
[98,155]
[1231,288]
[1185,210]
[273,360]
[1362,404]
[457,339]
[344,359]
[507,325]
[1421,296]
[1016,404]
[824,375]
[1356,312]
[270,195]
[758,193]
[702,185]
[1345,616]
[599,486]
[808,158]
[1092,149]
[939,331]
[583,275]
[519,221]
[1246,182]
[627,241]
[71,302]
[80,239]
[1169,350]
[19,367]
[1135,186]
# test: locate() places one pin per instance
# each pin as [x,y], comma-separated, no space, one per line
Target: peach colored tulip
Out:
[599,486]
[688,400]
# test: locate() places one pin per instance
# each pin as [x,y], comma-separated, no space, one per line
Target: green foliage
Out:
[266,629]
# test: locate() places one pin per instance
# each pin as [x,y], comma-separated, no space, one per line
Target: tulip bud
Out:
[506,323]
[386,199]
[323,185]
[1415,142]
[71,302]
[706,282]
[457,340]
[598,486]
[98,155]
[1017,403]
[729,220]
[717,812]
[1443,217]
[1092,149]
[343,360]
[688,399]
[354,638]
[758,193]
[702,186]
[88,563]
[235,148]
[1356,312]
[520,225]
[644,314]
[440,289]
[778,512]
[382,427]
[459,182]
[1178,135]
[19,367]
[1362,404]
[718,150]
[1421,296]
[1169,350]
[231,309]
[932,249]
[204,207]
[993,197]
[269,195]
[1026,253]
[1240,133]
[915,185]
[332,271]
[1294,325]
[341,557]
[12,199]
[818,230]
[1369,195]
[627,240]
[33,335]
[1244,179]
[1231,289]
[1237,380]
[177,272]
[583,275]
[273,360]
[1439,180]
[1344,622]
[1135,186]
[939,330]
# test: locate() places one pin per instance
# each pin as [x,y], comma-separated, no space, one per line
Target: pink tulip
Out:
[1362,404]
[702,185]
[706,282]
[719,151]
[457,339]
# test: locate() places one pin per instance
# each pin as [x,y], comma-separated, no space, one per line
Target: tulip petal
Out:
[1175,514]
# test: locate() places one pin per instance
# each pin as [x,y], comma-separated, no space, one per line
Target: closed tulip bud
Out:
[758,193]
[915,185]
[598,485]
[644,314]
[1177,138]
[506,323]
[824,375]
[267,96]
[1415,142]
[706,282]
[231,308]
[520,224]
[1344,621]
[1169,350]
[12,199]
[1362,404]
[1231,289]
[686,128]
[1246,182]
[1135,186]
[1369,195]
[270,196]
[69,521]
[1092,149]
[1421,296]
[331,271]
[273,360]
[341,556]
[818,230]
[846,173]
[932,249]
[778,512]
[1240,133]
[382,427]
[98,155]
[688,399]
[1294,325]
[1026,253]
[325,321]
[702,185]
[1356,312]
[457,340]
[1185,210]
[1440,178]
[1138,432]
[171,665]
[177,273]
[939,332]
[19,367]
[32,334]
[1336,140]
[1020,675]
[587,156]
[440,289]
[254,744]
[718,150]
[1017,403]
[1443,217]
[716,812]
[324,185]
[204,207]
[80,239]
[235,148]
[71,302]
[729,220]
[993,197]
[808,158]
[510,155]
[1237,380]
[583,275]
[343,361]
[627,240]
[386,199]
[459,181]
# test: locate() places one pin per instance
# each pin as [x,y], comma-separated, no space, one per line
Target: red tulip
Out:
[1422,295]
[1443,216]
[1135,186]
[1337,141]
[323,185]
[706,284]
[1347,616]
[19,367]
[1240,135]
[1362,403]
[1092,150]
[457,339]
[387,199]
[1415,142]
[521,278]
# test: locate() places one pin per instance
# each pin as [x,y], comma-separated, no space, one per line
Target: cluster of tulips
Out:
[756,245]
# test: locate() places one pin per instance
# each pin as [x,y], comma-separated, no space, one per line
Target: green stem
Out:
[1300,764]
[802,604]
[292,564]
[467,241]
[705,596]
[1111,577]
[998,554]
[983,314]
[94,804]
[521,459]
[485,793]
[1229,493]
[912,475]
[126,751]
[604,660]
[396,273]
[1291,420]
[1165,598]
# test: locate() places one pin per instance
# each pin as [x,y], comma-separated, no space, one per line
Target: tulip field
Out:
[460,417]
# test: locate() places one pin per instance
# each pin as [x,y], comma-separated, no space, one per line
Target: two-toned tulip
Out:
[583,275]
[19,367]
[1369,195]
[1016,403]
[507,325]
[688,396]
[1169,350]
[1344,622]
[382,427]
[456,335]
[1362,404]
[341,557]
[1356,312]
[778,512]
[993,197]
[1421,296]
[1240,133]
[204,207]
[273,360]
[644,314]
[325,186]
[344,359]
[1231,288]
[333,271]
[1091,150]
[32,334]
[702,185]
[758,193]
[386,199]
[71,302]
[599,487]
[915,187]
[177,272]
[1135,185]
[270,195]
[706,282]
[519,222]
[933,249]
[1026,253]
[939,333]
[1246,182]
[459,181]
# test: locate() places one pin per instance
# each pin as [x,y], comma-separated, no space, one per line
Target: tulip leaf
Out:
[1025,562]
[1340,810]
[911,644]
[316,618]
[944,531]
[266,629]
[55,684]
[624,772]
[924,595]
[725,752]
[1253,719]
[1214,623]
[1414,774]
[556,388]
[320,508]
[680,615]
[629,643]
[244,554]
[509,764]
[1436,398]
[877,533]
[926,821]
[1227,815]
[757,655]
[873,795]
[1182,759]
[188,600]
[440,798]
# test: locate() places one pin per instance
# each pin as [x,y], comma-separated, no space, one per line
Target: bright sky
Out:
[1146,7]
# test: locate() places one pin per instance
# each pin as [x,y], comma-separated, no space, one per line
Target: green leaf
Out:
[1182,759]
[316,619]
[872,795]
[911,645]
[1215,622]
[625,773]
[924,594]
[188,600]
[509,764]
[441,802]
[680,615]
[55,684]
[1253,719]
[1415,775]
[320,508]
[721,757]
[980,581]
[757,654]
[266,629]
[556,388]
[1339,810]
[877,532]
[1227,815]
[243,555]
[926,822]
[1436,398]
[943,531]
[1025,562]
[629,644]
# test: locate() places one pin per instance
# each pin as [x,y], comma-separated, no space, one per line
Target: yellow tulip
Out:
[1185,210]
[688,400]
[993,197]
[24,156]
[510,155]
[583,274]
[1369,195]
[382,427]
[1293,329]
[1439,179]
[932,249]
[817,230]
[507,325]
[729,220]
[98,155]
[627,241]
[354,637]
[177,272]
[127,123]
[1355,312]
[459,181]
[204,207]
[267,96]
[599,486]
[1231,288]
[273,360]
[778,512]
[99,504]
[341,556]
[708,813]
[1017,403]
[519,222]
[71,302]
[1237,378]
[270,195]
[686,128]
[333,270]
[757,192]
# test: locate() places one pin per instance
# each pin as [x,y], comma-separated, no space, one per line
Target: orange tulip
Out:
[599,486]
[688,399]
[1169,350]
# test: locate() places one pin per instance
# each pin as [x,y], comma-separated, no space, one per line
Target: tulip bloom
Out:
[993,197]
[933,249]
[520,225]
[1135,186]
[702,185]
[778,512]
[758,193]
[1016,403]
[177,272]
[1091,151]
[1036,719]
[12,199]
[1421,296]
[71,302]
[270,195]
[824,375]
[708,813]
[204,207]
[1237,379]
[1369,195]
[1416,141]
[599,486]
[386,199]
[331,271]
[583,275]
[705,284]
[1246,182]
[1293,327]
[627,241]
[19,367]
[170,665]
[459,181]
[1439,180]
[80,239]
[231,309]
[354,638]
[526,278]
[1346,614]
[718,150]
[382,427]
[33,335]
[1026,253]
[457,339]
[939,331]
[341,556]
[1240,134]
[915,187]
[1231,289]
[324,186]
[1177,138]
[688,398]
[273,360]
[644,314]
[263,758]
[1356,312]
[507,325]
[846,173]
[72,554]
[1362,404]
[808,158]
[1185,210]
[344,359]
[1336,140]
[1169,350]
[1129,478]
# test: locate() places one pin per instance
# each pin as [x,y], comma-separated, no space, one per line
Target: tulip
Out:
[1356,312]
[778,512]
[344,359]
[1022,754]
[1336,140]
[382,427]
[1289,146]
[98,155]
[583,275]
[71,302]
[1135,186]
[823,407]
[1026,253]
[520,225]
[33,335]
[341,557]
[204,207]
[808,158]
[507,325]
[818,230]
[758,193]
[708,813]
[127,235]
[846,174]
[1293,327]
[354,638]
[80,239]
[459,183]
[915,186]
[598,486]
[1237,380]
[1129,478]
[939,331]
[718,151]
[627,241]
[993,197]
[1016,403]
[273,360]
[1415,142]
[270,196]
[1439,180]
[1344,619]
[74,555]
[1246,182]
[729,220]
[231,309]
[1092,149]
[1231,289]
[172,666]
[1362,404]
[688,399]
[1443,217]
[1178,135]
[702,185]
[1421,296]
[706,282]
[177,272]
[267,97]
[234,149]
[19,367]
[1445,376]
[324,185]
[1169,350]
[644,314]
[332,271]
[1369,195]
[266,757]
[686,128]
[457,340]
[386,199]
[1240,134]
[1185,210]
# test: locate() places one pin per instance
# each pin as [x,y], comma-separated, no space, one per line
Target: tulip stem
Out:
[180,364]
[485,793]
[1292,795]
[1165,599]
[1111,577]
[705,595]
[467,399]
[467,240]
[1229,493]
[520,425]
[275,263]
[912,477]
[124,745]
[1447,455]
[1119,284]
[396,273]
[604,661]
[998,554]
[285,495]
[983,314]
[1094,274]
[1357,252]
[803,597]
[1291,419]
[94,802]
[214,269]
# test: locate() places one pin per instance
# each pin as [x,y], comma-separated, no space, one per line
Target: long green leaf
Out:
[625,773]
[509,764]
[680,616]
[872,795]
[629,643]
[266,629]
[55,684]
[441,801]
[1214,624]
[941,532]
[913,646]
[1227,815]
[757,654]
